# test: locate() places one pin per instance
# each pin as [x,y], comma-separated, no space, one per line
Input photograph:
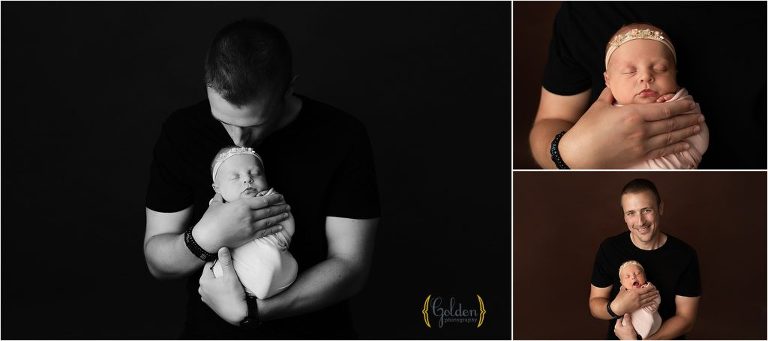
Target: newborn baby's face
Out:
[240,176]
[641,71]
[632,277]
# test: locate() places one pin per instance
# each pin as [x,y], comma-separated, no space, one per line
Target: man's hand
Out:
[628,301]
[238,222]
[225,294]
[624,329]
[617,137]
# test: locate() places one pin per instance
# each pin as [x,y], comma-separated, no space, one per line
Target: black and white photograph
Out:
[256,170]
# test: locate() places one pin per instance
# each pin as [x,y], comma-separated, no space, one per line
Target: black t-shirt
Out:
[673,268]
[321,162]
[721,53]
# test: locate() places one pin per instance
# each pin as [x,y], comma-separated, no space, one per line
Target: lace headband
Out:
[633,34]
[230,153]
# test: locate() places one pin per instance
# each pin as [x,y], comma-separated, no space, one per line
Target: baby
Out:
[641,67]
[264,265]
[646,321]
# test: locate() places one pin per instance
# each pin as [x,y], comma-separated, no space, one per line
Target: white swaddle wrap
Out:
[264,265]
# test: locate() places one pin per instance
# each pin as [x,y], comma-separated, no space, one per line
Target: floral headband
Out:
[232,152]
[633,34]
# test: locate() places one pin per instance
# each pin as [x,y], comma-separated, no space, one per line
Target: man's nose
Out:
[240,137]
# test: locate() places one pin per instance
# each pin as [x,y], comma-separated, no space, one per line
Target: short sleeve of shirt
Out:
[601,277]
[168,189]
[690,280]
[563,74]
[353,189]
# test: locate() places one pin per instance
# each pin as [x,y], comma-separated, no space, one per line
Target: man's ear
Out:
[661,208]
[289,91]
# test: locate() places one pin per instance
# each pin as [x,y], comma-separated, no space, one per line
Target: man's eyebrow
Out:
[234,125]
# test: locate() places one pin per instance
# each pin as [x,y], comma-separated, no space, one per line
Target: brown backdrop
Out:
[560,219]
[532,31]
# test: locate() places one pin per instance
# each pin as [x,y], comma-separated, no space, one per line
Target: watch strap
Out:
[252,319]
[196,249]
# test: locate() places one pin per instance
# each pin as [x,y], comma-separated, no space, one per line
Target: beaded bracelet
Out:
[556,153]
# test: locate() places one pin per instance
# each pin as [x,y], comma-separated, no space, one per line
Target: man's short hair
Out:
[247,58]
[640,185]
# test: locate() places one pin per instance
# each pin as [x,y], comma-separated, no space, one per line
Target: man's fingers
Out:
[226,262]
[261,202]
[606,97]
[207,271]
[268,231]
[675,148]
[270,216]
[627,320]
[665,98]
[664,140]
[646,292]
[677,123]
[661,111]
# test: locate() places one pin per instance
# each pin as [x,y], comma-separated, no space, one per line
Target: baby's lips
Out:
[249,193]
[648,93]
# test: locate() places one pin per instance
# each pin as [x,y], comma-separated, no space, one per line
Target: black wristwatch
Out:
[196,249]
[610,312]
[252,319]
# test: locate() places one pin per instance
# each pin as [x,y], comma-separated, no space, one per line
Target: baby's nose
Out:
[247,179]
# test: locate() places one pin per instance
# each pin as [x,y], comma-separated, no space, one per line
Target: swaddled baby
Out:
[641,68]
[646,321]
[264,265]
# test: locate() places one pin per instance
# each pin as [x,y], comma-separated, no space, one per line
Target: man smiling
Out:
[670,264]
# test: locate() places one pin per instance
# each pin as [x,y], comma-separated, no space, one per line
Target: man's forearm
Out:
[328,282]
[672,328]
[168,256]
[541,137]
[597,306]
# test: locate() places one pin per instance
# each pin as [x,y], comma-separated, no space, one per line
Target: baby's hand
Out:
[665,98]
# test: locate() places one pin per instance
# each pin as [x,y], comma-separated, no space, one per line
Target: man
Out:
[574,99]
[316,156]
[670,264]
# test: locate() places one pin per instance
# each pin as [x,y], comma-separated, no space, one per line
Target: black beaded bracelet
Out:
[196,249]
[556,153]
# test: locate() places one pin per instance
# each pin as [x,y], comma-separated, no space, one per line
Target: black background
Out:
[85,87]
